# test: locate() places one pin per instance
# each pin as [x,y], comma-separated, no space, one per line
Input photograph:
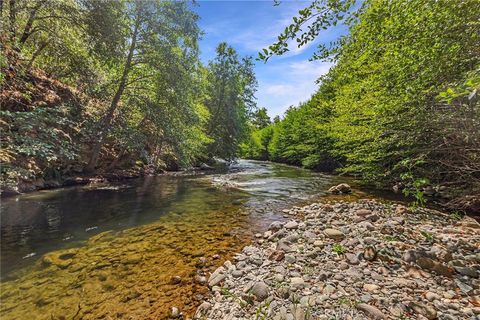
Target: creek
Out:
[111,251]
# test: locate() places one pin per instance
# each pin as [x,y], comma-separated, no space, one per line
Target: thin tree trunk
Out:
[36,54]
[107,119]
[1,14]
[117,159]
[12,18]
[31,18]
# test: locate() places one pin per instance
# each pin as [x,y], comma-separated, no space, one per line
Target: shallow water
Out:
[109,252]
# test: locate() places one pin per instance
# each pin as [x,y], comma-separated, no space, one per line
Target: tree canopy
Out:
[98,86]
[230,100]
[400,105]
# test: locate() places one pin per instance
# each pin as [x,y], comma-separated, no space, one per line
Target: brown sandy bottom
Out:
[128,274]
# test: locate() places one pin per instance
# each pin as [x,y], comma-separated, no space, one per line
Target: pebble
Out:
[291,225]
[260,290]
[333,233]
[371,311]
[329,289]
[352,258]
[369,253]
[430,296]
[370,287]
[387,269]
[297,282]
[427,311]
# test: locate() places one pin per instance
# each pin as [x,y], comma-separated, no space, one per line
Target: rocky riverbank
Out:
[353,261]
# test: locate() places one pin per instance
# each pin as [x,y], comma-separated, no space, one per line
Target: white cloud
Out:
[278,89]
[284,80]
[294,84]
[311,69]
[257,37]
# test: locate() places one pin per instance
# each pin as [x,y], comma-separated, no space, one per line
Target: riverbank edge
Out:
[93,179]
[430,258]
[469,204]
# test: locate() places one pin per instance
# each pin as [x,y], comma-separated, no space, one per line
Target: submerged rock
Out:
[176,280]
[60,259]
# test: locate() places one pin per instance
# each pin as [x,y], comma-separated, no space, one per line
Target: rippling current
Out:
[110,251]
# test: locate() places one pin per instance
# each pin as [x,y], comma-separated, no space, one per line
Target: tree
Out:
[389,117]
[260,118]
[151,30]
[315,18]
[114,84]
[231,98]
[48,30]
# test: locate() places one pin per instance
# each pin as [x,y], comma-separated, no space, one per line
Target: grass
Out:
[338,248]
[240,301]
[427,235]
[262,311]
[392,238]
[346,301]
[457,215]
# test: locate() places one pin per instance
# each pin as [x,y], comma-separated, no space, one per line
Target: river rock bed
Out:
[354,260]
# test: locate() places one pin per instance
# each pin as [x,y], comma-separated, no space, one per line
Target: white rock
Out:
[291,225]
[334,233]
[297,282]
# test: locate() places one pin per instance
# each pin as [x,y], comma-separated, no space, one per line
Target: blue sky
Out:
[249,26]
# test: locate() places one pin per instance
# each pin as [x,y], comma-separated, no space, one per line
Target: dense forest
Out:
[92,87]
[400,107]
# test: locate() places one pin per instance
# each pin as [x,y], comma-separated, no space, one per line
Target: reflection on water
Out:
[110,251]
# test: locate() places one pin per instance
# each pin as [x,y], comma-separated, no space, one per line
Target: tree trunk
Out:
[31,18]
[36,54]
[114,163]
[116,160]
[1,14]
[107,119]
[12,18]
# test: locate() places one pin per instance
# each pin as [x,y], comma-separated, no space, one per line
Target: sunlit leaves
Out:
[230,98]
[403,94]
[310,22]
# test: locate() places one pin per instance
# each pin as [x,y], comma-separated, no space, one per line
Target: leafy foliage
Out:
[400,106]
[230,99]
[301,138]
[97,86]
[338,248]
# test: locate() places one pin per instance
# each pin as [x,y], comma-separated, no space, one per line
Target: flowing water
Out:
[110,252]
